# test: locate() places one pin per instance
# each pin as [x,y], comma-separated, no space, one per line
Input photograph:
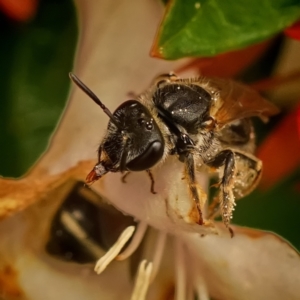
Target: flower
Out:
[176,255]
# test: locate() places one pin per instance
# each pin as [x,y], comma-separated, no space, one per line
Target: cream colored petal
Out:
[28,272]
[252,265]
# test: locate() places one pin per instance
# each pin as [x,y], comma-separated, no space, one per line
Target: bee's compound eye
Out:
[148,158]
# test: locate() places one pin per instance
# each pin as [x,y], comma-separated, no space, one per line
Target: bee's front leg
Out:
[192,184]
[152,190]
[124,177]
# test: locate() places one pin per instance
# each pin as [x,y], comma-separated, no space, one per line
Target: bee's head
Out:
[133,141]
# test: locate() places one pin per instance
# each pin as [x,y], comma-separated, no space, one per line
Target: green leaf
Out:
[34,83]
[211,27]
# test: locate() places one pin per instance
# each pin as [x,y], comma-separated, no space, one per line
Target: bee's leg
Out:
[171,77]
[214,208]
[123,179]
[242,171]
[226,197]
[191,179]
[152,181]
[248,173]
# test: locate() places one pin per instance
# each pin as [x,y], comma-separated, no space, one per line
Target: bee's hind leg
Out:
[192,184]
[226,197]
[214,208]
[242,172]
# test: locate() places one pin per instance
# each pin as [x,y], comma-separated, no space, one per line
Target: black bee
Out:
[204,122]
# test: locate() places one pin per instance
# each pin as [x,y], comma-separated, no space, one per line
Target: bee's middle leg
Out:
[191,179]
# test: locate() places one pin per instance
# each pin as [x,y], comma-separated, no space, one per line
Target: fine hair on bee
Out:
[202,121]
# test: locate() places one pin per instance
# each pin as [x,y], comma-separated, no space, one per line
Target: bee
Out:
[205,122]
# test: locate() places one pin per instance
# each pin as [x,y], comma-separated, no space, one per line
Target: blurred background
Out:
[38,42]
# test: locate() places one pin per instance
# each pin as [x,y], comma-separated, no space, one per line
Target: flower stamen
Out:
[111,254]
[180,292]
[158,253]
[142,281]
[76,230]
[200,288]
[136,240]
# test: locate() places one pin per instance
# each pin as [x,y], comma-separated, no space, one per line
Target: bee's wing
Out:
[237,101]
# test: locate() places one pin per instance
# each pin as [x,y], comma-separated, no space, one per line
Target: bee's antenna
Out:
[83,87]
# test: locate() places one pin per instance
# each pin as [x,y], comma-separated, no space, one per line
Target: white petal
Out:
[252,265]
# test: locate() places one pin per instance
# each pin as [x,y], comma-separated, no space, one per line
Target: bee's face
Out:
[138,145]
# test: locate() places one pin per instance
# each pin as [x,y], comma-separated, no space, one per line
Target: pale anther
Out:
[76,230]
[159,250]
[142,281]
[110,255]
[136,240]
